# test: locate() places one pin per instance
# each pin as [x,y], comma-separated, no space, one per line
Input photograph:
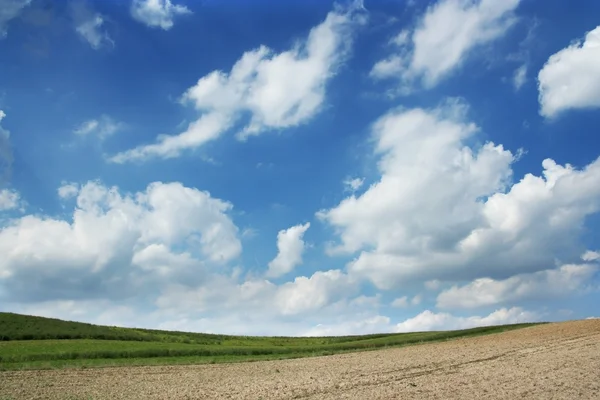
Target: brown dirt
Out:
[554,361]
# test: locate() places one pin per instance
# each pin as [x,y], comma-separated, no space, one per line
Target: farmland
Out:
[39,343]
[558,361]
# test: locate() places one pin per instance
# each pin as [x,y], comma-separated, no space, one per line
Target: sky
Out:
[300,167]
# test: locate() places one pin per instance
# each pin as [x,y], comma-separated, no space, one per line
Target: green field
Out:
[28,342]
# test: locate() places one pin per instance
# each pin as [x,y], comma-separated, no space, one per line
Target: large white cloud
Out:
[570,79]
[549,284]
[9,10]
[152,259]
[157,13]
[113,239]
[444,210]
[444,38]
[163,257]
[290,246]
[259,84]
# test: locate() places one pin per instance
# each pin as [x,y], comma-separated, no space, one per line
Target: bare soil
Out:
[554,361]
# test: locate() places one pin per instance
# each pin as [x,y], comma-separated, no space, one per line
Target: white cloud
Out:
[552,283]
[91,31]
[259,85]
[310,294]
[102,127]
[157,13]
[91,254]
[90,25]
[165,257]
[290,247]
[570,79]
[68,190]
[443,210]
[9,10]
[353,185]
[430,321]
[220,304]
[260,297]
[9,199]
[209,127]
[444,38]
[520,77]
[591,256]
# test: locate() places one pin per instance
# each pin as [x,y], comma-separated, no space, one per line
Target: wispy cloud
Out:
[102,127]
[90,25]
[9,10]
[259,84]
[443,39]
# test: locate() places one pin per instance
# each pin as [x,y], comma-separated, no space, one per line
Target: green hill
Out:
[26,327]
[37,342]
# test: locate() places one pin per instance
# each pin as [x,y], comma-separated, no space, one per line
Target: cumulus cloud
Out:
[447,211]
[162,257]
[102,127]
[444,37]
[90,25]
[221,304]
[309,294]
[548,284]
[290,246]
[430,321]
[9,10]
[157,13]
[258,85]
[112,239]
[261,297]
[570,79]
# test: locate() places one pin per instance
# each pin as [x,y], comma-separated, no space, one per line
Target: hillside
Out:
[36,342]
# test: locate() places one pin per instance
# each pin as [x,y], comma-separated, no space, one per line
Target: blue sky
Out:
[300,168]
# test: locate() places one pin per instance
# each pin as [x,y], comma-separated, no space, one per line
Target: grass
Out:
[40,343]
